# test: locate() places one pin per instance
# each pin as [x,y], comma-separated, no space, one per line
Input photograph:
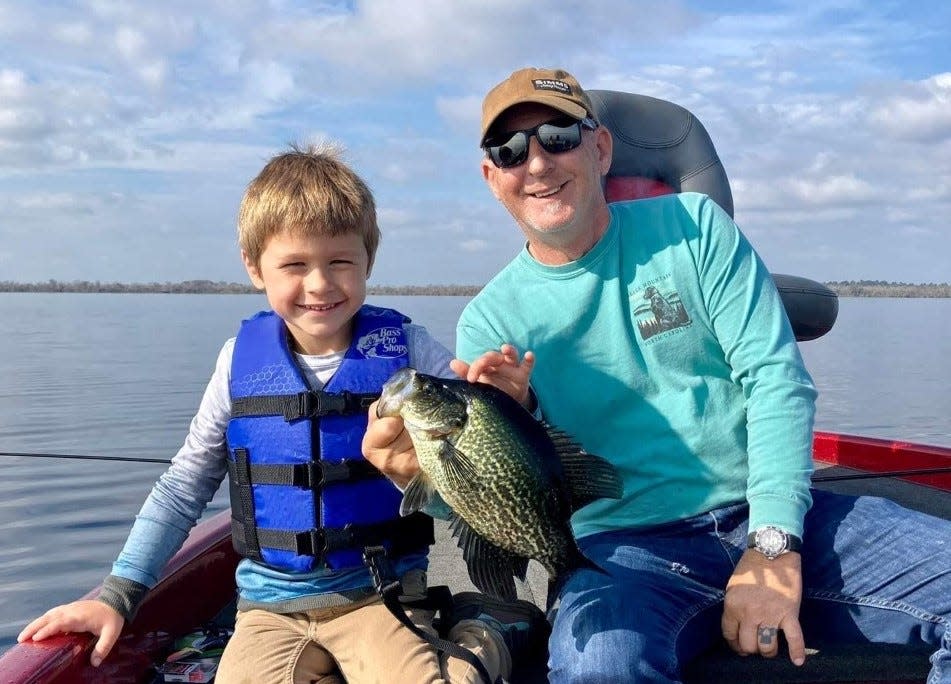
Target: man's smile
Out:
[548,193]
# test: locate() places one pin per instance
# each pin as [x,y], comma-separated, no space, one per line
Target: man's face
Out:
[556,198]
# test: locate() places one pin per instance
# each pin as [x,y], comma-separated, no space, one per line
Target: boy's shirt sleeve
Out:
[426,354]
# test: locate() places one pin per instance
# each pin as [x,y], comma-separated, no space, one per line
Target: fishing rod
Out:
[86,457]
[890,473]
[820,478]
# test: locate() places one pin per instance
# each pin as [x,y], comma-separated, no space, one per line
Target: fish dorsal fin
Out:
[458,466]
[588,477]
[418,493]
[491,568]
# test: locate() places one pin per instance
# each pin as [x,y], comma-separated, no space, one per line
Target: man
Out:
[706,411]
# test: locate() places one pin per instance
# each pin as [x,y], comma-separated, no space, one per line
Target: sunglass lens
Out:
[561,136]
[511,152]
[556,139]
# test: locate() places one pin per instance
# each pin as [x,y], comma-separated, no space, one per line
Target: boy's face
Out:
[316,285]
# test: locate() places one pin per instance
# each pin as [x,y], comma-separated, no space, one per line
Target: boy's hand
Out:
[80,616]
[502,369]
[387,445]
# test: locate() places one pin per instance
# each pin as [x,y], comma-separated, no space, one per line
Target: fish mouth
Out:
[395,391]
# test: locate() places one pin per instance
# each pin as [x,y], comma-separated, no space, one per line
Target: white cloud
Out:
[919,111]
[833,121]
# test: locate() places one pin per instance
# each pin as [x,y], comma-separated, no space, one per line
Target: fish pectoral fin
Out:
[589,477]
[458,467]
[491,568]
[418,493]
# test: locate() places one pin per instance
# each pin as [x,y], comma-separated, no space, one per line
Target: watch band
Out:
[773,541]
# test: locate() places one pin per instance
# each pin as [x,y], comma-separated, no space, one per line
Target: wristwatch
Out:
[773,542]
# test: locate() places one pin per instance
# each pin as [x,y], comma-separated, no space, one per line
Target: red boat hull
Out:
[196,585]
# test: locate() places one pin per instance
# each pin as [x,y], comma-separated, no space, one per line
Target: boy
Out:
[307,610]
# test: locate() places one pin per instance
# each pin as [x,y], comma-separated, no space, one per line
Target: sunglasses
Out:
[511,149]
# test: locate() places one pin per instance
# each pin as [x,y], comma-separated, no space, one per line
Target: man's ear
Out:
[254,272]
[605,143]
[490,172]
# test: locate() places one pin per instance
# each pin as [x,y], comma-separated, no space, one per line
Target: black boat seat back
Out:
[660,148]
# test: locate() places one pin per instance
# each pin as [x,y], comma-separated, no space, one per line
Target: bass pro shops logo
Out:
[383,343]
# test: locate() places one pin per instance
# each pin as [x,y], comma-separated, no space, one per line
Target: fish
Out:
[511,480]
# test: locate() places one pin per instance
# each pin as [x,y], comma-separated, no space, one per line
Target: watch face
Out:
[770,541]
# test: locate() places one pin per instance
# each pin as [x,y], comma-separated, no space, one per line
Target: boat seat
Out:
[661,148]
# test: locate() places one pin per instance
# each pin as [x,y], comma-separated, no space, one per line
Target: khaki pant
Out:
[360,643]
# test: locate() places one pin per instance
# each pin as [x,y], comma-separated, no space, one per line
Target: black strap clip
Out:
[317,404]
[309,475]
[381,570]
[321,541]
[389,587]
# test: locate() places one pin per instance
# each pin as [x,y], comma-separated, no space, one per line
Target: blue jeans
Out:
[872,571]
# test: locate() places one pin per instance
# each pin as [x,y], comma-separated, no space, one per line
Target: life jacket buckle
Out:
[320,542]
[339,537]
[334,472]
[308,475]
[318,404]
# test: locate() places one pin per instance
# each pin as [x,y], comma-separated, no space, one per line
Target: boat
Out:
[659,147]
[197,589]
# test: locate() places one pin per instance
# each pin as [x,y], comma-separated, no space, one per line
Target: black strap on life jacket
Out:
[307,475]
[412,533]
[404,534]
[303,404]
[388,586]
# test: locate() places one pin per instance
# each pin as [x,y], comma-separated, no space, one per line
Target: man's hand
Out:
[387,445]
[502,369]
[79,616]
[763,597]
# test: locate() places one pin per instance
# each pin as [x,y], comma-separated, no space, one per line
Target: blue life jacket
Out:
[302,495]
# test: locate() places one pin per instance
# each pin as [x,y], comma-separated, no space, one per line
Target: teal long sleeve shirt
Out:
[665,349]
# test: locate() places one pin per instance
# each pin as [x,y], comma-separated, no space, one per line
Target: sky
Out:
[129,130]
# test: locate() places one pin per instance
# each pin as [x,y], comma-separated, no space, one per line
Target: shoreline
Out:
[841,288]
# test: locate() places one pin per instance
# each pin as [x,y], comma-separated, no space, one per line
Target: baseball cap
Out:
[555,88]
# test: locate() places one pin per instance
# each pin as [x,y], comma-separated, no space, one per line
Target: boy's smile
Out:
[316,284]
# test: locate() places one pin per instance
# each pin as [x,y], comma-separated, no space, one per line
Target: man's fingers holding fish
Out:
[502,369]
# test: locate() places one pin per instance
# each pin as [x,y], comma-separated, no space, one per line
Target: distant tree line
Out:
[880,288]
[844,288]
[183,287]
[214,287]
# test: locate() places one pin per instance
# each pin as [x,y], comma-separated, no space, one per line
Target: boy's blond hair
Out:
[307,191]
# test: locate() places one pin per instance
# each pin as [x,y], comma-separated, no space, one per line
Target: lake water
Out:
[122,375]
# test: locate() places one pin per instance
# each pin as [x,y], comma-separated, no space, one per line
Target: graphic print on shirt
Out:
[658,309]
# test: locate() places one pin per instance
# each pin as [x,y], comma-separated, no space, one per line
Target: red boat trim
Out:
[881,455]
[190,593]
